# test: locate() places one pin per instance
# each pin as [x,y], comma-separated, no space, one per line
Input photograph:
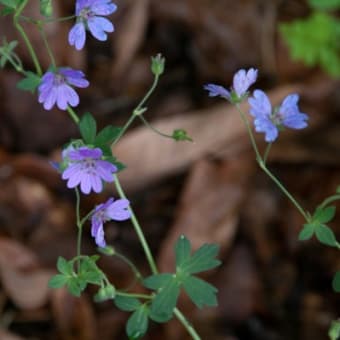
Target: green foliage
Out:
[107,136]
[138,323]
[167,286]
[315,41]
[336,282]
[127,303]
[10,3]
[7,51]
[318,227]
[181,135]
[46,8]
[29,83]
[324,4]
[76,282]
[88,128]
[334,330]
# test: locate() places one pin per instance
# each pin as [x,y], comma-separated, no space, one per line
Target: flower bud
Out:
[157,64]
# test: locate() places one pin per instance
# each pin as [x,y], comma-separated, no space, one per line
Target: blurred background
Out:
[271,286]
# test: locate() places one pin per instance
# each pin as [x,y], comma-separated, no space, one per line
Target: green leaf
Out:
[200,292]
[88,128]
[90,272]
[138,323]
[165,301]
[181,135]
[307,232]
[6,11]
[57,281]
[182,250]
[336,282]
[158,280]
[64,266]
[108,135]
[325,4]
[127,303]
[75,286]
[29,83]
[46,8]
[324,215]
[203,259]
[325,235]
[10,3]
[315,41]
[334,330]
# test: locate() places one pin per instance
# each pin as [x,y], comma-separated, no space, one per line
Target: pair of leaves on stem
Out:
[167,288]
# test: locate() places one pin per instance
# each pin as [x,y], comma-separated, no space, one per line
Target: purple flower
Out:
[90,16]
[270,121]
[87,168]
[55,88]
[241,82]
[110,210]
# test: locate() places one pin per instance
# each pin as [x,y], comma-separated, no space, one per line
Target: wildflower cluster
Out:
[266,119]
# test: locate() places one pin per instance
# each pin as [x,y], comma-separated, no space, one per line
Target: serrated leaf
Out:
[157,281]
[57,281]
[88,128]
[202,259]
[324,215]
[324,4]
[200,292]
[138,323]
[29,83]
[126,303]
[182,250]
[336,282]
[64,266]
[325,235]
[165,301]
[307,232]
[107,135]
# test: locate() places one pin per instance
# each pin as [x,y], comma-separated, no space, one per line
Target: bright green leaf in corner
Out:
[200,292]
[88,128]
[29,83]
[334,330]
[307,232]
[336,282]
[324,215]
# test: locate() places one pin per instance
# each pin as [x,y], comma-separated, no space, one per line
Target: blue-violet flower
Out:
[110,210]
[88,168]
[90,16]
[55,88]
[270,121]
[241,82]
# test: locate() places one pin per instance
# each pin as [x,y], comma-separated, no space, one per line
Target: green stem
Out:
[266,153]
[329,200]
[263,166]
[137,296]
[123,130]
[148,125]
[138,230]
[138,275]
[73,115]
[250,133]
[25,37]
[191,330]
[47,45]
[15,62]
[148,94]
[80,228]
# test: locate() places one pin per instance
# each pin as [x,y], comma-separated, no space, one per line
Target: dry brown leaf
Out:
[209,206]
[22,279]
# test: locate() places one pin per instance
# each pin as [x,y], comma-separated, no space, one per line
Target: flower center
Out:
[59,79]
[89,165]
[86,13]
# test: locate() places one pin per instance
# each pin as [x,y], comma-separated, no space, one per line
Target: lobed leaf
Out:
[157,281]
[325,235]
[182,250]
[29,83]
[324,215]
[88,128]
[307,232]
[64,266]
[108,135]
[126,303]
[200,292]
[57,281]
[138,323]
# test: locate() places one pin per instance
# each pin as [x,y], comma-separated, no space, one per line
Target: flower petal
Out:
[260,105]
[98,26]
[77,36]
